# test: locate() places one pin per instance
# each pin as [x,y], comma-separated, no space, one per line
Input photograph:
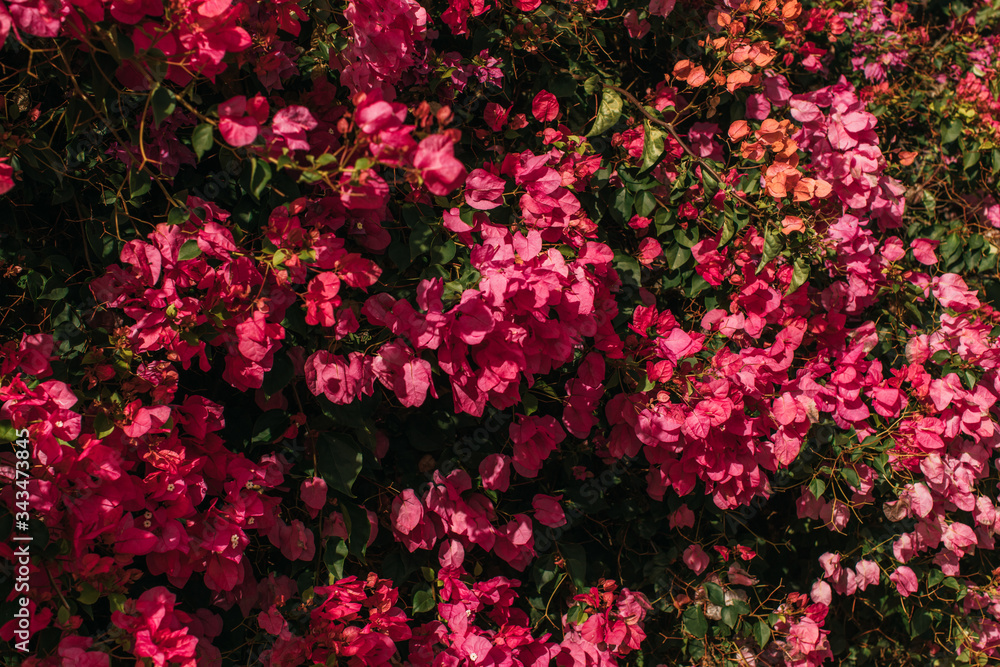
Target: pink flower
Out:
[131,12]
[805,636]
[451,554]
[440,170]
[406,374]
[959,538]
[661,8]
[39,17]
[407,511]
[240,120]
[483,190]
[868,573]
[292,123]
[73,651]
[821,593]
[495,471]
[535,438]
[496,116]
[830,563]
[313,494]
[548,511]
[905,580]
[638,222]
[923,250]
[696,558]
[6,175]
[836,515]
[297,542]
[649,250]
[272,622]
[951,290]
[636,29]
[682,517]
[544,107]
[322,300]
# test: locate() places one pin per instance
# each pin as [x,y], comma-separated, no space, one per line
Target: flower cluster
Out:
[734,303]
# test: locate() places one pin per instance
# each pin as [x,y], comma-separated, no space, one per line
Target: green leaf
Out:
[576,563]
[178,215]
[652,147]
[677,256]
[139,183]
[423,600]
[930,204]
[715,594]
[162,101]
[800,274]
[63,615]
[697,285]
[952,132]
[920,623]
[687,239]
[728,232]
[576,615]
[420,240]
[663,219]
[201,139]
[9,434]
[359,528]
[270,427]
[645,203]
[628,269]
[772,246]
[117,601]
[851,477]
[816,487]
[189,250]
[762,633]
[258,176]
[54,289]
[338,461]
[334,556]
[608,112]
[88,595]
[710,183]
[951,246]
[281,373]
[444,253]
[730,616]
[694,621]
[621,206]
[969,159]
[103,426]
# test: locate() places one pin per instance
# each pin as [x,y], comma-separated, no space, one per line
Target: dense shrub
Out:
[476,333]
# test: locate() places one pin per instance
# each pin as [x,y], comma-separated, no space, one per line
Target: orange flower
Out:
[791,224]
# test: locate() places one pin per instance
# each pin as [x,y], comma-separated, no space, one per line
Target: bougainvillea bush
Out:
[545,332]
